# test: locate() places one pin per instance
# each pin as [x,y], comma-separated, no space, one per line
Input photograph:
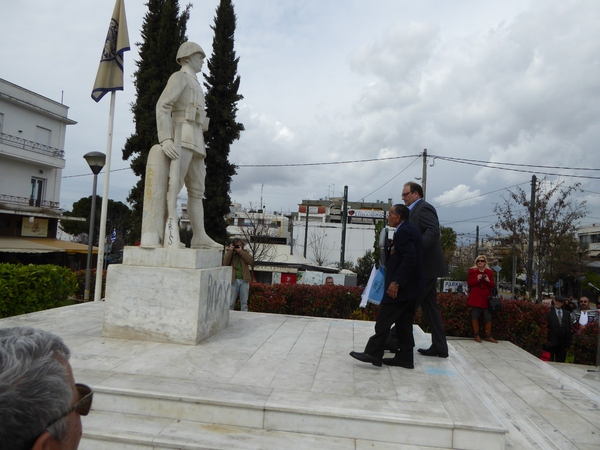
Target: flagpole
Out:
[103,213]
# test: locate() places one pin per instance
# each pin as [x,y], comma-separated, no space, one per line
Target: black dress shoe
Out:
[432,352]
[365,357]
[397,362]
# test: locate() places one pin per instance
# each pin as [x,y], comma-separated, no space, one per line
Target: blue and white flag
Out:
[113,236]
[375,287]
[110,72]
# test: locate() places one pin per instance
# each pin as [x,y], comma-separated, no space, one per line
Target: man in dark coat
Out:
[559,330]
[424,217]
[403,280]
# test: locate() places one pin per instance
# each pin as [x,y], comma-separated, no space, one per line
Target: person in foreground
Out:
[40,404]
[424,217]
[480,280]
[403,279]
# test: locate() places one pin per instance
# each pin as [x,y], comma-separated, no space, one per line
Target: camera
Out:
[236,246]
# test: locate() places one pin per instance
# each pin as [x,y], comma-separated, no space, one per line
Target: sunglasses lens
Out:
[85,404]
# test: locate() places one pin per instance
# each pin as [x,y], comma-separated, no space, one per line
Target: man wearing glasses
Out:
[424,217]
[404,287]
[40,404]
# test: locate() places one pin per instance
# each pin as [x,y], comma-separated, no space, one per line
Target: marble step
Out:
[131,432]
[109,431]
[516,398]
[262,410]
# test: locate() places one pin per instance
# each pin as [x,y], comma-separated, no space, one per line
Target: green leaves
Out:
[33,288]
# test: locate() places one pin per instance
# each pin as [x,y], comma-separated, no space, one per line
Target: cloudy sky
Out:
[514,82]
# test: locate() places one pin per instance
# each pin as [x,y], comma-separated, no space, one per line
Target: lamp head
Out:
[96,161]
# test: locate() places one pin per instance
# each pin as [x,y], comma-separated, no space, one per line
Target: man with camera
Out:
[239,260]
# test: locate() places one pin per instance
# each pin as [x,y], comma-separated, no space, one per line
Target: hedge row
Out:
[80,274]
[522,323]
[29,288]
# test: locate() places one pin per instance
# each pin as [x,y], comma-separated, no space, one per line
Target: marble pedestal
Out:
[167,295]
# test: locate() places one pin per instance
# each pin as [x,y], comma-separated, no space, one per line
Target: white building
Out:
[590,236]
[32,140]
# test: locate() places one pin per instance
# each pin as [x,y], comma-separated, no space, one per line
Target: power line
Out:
[395,176]
[512,164]
[327,163]
[489,166]
[88,174]
[482,195]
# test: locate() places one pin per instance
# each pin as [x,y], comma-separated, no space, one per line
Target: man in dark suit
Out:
[424,217]
[403,279]
[559,330]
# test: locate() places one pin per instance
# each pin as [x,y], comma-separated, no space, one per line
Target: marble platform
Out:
[273,381]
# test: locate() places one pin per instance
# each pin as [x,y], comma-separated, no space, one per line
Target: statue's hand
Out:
[169,148]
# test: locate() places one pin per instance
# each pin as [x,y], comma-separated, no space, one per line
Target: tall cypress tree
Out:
[221,106]
[163,31]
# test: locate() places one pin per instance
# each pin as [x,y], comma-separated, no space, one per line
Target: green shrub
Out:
[29,288]
[80,274]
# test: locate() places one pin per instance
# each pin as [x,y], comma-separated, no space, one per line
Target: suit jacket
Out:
[557,332]
[404,265]
[424,217]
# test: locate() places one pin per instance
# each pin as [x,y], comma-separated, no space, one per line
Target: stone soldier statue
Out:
[179,159]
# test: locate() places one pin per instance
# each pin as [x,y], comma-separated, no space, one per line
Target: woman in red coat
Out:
[481,282]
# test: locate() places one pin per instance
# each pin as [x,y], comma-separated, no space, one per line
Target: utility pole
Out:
[476,242]
[344,220]
[306,228]
[530,250]
[514,268]
[424,175]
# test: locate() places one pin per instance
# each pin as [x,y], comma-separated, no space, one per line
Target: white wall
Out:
[359,239]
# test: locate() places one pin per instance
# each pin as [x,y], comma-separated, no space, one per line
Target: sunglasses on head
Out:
[82,407]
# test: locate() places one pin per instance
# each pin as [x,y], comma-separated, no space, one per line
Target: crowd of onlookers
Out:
[564,314]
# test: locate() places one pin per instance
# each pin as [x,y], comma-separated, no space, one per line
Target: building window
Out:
[595,238]
[37,191]
[43,136]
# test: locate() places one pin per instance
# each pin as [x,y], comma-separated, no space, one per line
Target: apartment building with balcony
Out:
[32,157]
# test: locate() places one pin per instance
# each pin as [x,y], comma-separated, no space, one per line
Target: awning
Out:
[41,245]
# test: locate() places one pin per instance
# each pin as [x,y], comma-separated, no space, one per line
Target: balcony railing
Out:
[28,201]
[32,146]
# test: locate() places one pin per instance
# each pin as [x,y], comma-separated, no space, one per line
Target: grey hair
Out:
[34,386]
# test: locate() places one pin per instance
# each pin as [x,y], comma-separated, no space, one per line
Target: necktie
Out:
[559,312]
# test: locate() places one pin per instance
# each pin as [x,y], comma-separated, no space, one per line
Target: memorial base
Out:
[167,304]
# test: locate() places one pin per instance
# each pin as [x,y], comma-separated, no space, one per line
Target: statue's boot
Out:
[196,212]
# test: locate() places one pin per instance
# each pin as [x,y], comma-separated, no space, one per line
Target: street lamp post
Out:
[96,161]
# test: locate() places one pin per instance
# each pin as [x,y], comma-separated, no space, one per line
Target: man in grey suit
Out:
[424,217]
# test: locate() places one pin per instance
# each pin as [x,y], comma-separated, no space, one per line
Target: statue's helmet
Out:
[188,49]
